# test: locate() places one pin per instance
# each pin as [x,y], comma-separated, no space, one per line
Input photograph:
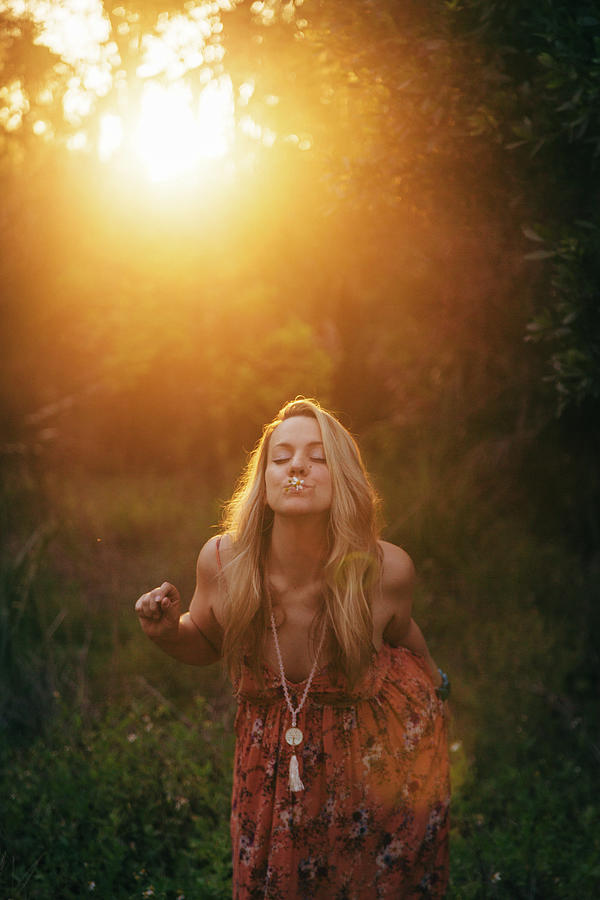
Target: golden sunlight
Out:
[110,136]
[172,112]
[173,134]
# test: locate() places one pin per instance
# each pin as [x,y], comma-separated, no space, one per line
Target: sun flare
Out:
[172,114]
[174,134]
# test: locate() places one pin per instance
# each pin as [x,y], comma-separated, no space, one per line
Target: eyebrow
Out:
[283,445]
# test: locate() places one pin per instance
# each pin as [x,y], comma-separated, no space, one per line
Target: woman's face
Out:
[297,478]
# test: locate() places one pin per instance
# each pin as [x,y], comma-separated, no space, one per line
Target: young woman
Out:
[341,787]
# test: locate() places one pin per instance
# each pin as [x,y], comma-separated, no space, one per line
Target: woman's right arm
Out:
[196,636]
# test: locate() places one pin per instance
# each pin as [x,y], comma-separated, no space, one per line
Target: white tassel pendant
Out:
[294,735]
[295,780]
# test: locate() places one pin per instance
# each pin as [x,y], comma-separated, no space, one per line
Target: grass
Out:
[133,804]
[531,828]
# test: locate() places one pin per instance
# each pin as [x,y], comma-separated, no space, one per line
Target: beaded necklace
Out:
[293,735]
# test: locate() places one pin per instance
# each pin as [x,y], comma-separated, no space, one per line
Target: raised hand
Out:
[158,612]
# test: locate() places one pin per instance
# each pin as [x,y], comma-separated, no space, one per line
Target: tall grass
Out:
[30,613]
[134,804]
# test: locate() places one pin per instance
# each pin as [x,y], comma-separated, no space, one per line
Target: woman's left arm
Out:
[414,640]
[401,630]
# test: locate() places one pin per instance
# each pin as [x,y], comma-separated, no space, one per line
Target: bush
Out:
[530,829]
[135,805]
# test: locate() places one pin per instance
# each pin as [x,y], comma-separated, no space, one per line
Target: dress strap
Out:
[219,564]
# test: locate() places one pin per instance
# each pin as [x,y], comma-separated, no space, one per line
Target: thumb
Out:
[170,601]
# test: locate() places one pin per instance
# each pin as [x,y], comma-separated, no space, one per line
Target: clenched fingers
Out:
[152,604]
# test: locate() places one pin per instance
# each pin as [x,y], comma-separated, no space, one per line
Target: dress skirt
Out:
[372,822]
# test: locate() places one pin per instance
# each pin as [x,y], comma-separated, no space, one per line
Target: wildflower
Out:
[149,892]
[131,737]
[496,877]
[455,747]
[91,885]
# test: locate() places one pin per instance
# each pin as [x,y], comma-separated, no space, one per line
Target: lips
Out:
[295,485]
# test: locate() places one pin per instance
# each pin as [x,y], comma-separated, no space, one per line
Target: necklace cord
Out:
[293,735]
[286,693]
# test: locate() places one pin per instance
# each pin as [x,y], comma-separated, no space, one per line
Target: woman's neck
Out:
[298,550]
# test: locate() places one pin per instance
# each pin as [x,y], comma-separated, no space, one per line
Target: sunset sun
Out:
[173,134]
[168,116]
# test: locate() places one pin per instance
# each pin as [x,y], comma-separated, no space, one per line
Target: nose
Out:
[297,466]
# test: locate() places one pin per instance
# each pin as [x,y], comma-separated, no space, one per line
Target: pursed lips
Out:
[295,486]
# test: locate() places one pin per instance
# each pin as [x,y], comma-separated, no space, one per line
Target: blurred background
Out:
[208,208]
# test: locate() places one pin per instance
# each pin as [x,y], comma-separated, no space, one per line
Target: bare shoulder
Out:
[210,594]
[393,609]
[207,566]
[398,571]
[213,556]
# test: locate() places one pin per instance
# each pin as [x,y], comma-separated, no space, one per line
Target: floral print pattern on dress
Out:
[372,822]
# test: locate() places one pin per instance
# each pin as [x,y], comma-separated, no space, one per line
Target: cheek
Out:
[270,480]
[324,481]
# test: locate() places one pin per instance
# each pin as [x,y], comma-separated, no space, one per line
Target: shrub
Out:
[135,805]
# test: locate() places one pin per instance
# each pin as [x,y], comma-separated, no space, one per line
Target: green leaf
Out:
[546,60]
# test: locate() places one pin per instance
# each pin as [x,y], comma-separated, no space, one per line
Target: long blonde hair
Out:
[351,569]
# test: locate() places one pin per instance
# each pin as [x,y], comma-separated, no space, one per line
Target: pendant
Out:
[295,780]
[294,736]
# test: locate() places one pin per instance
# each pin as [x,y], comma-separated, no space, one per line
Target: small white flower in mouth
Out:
[294,484]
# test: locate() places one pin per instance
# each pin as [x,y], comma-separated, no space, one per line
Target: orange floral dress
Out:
[372,822]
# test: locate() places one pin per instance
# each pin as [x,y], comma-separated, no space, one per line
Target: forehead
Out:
[299,430]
